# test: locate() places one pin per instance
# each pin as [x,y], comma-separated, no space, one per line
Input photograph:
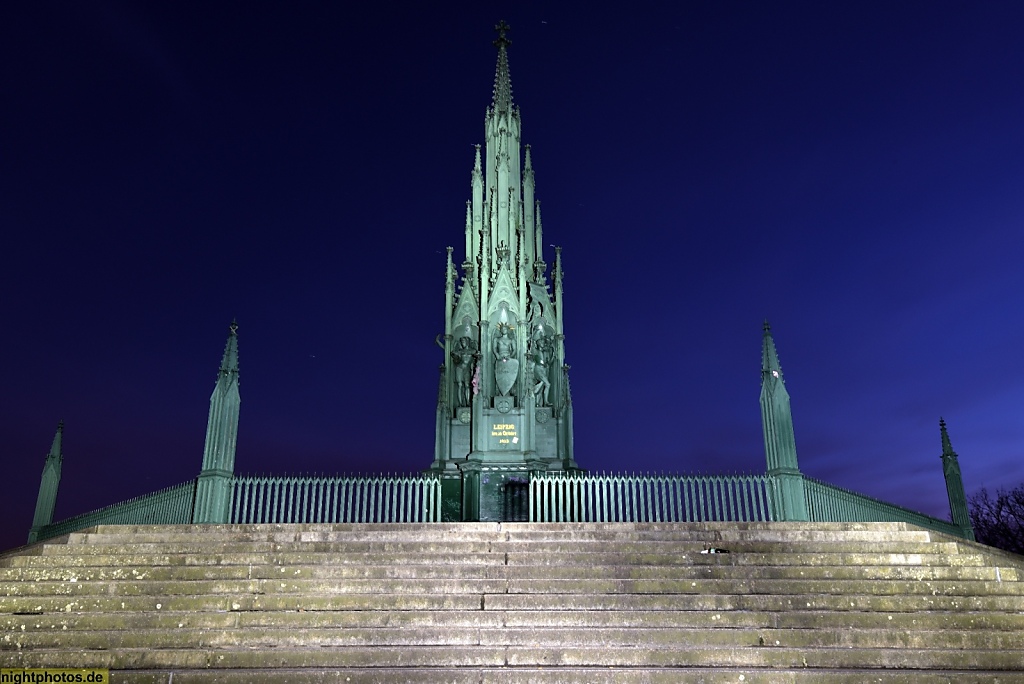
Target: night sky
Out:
[852,171]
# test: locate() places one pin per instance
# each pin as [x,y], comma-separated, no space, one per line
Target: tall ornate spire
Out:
[779,439]
[502,98]
[212,491]
[954,484]
[504,374]
[46,501]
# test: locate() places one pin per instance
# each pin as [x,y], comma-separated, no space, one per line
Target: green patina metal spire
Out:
[958,511]
[779,439]
[48,484]
[214,485]
[503,409]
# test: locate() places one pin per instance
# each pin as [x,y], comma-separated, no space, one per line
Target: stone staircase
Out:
[517,602]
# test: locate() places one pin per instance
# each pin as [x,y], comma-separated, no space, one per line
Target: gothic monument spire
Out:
[503,402]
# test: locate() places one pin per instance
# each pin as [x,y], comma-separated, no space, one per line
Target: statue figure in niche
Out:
[464,357]
[539,304]
[540,355]
[536,310]
[506,365]
[504,343]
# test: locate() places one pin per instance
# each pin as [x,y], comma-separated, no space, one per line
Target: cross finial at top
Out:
[501,27]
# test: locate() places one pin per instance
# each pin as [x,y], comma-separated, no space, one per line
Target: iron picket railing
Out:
[828,503]
[169,506]
[552,497]
[564,497]
[335,499]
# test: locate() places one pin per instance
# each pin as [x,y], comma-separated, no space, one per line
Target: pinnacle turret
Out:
[213,486]
[958,511]
[779,438]
[46,501]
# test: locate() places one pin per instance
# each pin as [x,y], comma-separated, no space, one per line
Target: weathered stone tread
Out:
[526,675]
[489,602]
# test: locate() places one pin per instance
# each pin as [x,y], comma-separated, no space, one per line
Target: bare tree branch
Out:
[999,521]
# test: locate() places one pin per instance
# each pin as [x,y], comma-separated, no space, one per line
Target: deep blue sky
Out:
[852,171]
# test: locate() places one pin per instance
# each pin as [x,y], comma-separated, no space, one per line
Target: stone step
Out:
[567,548]
[584,619]
[575,675]
[217,531]
[516,602]
[680,534]
[679,638]
[45,605]
[441,528]
[754,602]
[283,558]
[748,656]
[773,557]
[51,604]
[460,585]
[718,569]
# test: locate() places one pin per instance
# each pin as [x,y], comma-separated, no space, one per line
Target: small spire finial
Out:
[502,41]
[769,357]
[947,445]
[56,449]
[230,362]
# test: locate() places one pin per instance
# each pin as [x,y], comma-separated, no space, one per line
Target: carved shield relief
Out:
[505,373]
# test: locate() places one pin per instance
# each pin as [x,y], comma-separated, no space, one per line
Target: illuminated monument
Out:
[503,447]
[504,409]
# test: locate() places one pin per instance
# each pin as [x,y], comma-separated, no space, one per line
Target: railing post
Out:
[789,496]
